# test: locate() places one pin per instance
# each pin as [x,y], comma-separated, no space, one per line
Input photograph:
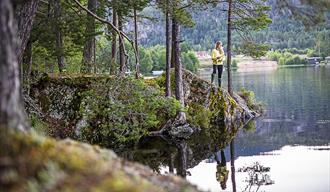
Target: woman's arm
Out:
[214,55]
[222,53]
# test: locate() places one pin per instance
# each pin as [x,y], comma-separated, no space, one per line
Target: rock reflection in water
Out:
[168,155]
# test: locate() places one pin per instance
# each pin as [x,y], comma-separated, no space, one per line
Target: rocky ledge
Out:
[110,111]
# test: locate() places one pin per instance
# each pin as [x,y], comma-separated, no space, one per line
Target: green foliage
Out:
[124,111]
[250,127]
[39,126]
[190,61]
[322,44]
[286,58]
[247,19]
[254,50]
[309,12]
[251,102]
[234,63]
[297,51]
[283,32]
[44,40]
[198,115]
[146,61]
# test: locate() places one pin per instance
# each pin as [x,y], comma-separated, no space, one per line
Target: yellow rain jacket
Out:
[218,56]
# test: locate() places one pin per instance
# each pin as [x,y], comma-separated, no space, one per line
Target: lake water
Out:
[292,139]
[286,150]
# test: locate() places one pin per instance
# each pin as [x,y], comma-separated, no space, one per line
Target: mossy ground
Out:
[30,162]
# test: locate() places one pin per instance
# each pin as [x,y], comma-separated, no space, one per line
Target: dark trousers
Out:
[220,68]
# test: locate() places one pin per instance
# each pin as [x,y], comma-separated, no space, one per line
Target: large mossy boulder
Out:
[208,105]
[29,162]
[115,112]
[103,110]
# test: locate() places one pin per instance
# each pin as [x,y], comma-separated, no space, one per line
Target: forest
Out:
[77,100]
[68,21]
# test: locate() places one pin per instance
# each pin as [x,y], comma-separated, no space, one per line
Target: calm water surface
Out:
[292,139]
[286,150]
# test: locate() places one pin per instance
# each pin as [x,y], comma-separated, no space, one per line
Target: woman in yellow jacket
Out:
[218,56]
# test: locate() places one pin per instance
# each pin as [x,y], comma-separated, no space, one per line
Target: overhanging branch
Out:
[119,32]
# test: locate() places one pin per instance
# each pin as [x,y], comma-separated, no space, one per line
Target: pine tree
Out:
[11,109]
[245,16]
[88,54]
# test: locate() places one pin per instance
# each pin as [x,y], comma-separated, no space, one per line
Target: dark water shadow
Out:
[179,155]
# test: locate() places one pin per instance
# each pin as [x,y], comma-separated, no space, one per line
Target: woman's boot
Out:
[219,82]
[212,78]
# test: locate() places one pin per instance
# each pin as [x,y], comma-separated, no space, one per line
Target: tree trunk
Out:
[87,61]
[24,16]
[122,57]
[172,46]
[168,49]
[59,38]
[171,163]
[232,163]
[12,116]
[178,67]
[137,67]
[27,61]
[94,53]
[114,45]
[229,28]
[182,165]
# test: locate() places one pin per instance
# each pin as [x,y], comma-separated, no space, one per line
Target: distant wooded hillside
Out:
[210,26]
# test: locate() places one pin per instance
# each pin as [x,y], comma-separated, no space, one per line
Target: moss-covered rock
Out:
[112,111]
[207,104]
[30,162]
[102,110]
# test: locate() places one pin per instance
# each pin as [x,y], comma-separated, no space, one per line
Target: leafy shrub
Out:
[285,58]
[254,50]
[124,111]
[234,63]
[251,102]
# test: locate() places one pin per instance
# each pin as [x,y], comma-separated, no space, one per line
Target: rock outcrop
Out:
[207,104]
[109,111]
[222,106]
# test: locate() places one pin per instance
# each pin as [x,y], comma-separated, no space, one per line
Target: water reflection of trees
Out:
[296,99]
[257,176]
[222,172]
[180,154]
[232,164]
